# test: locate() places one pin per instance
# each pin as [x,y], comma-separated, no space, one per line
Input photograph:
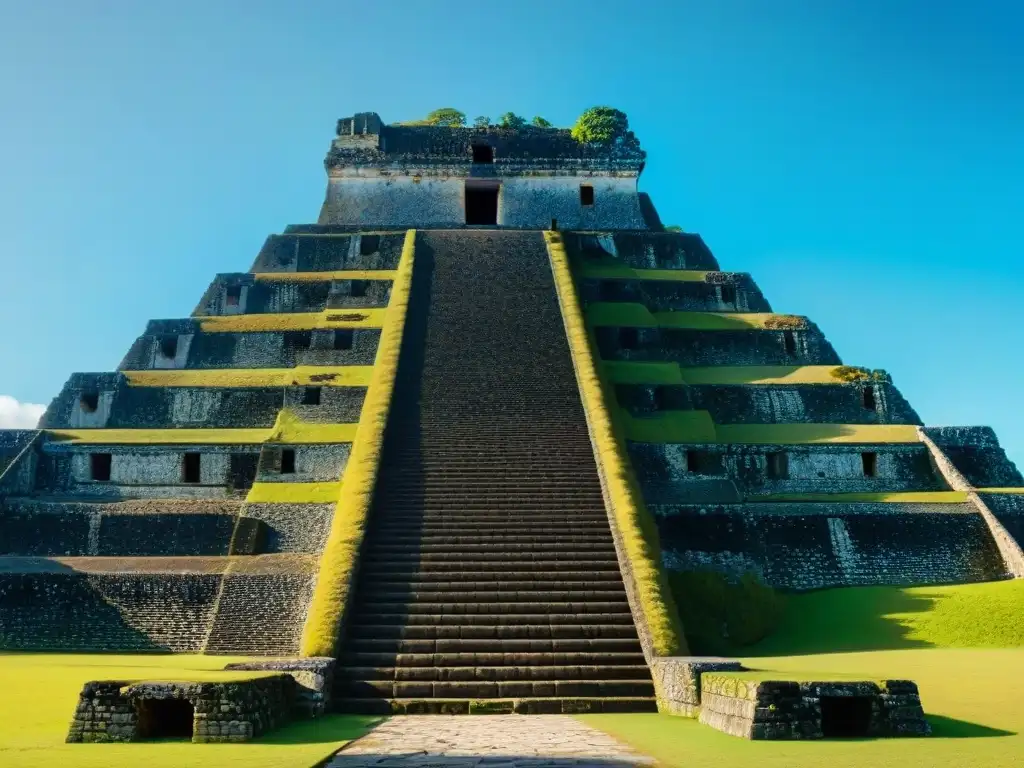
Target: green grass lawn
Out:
[38,694]
[962,644]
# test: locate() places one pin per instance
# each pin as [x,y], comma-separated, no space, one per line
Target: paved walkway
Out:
[498,741]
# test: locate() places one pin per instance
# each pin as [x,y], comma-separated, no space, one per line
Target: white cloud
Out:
[15,415]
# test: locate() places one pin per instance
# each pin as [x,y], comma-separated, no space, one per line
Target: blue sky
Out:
[862,158]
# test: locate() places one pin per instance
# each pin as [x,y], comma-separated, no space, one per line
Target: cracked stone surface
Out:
[502,741]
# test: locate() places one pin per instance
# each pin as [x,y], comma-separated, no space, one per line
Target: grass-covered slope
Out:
[41,691]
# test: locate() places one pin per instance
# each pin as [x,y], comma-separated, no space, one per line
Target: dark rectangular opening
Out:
[482,205]
[343,338]
[298,339]
[311,396]
[629,338]
[868,397]
[287,461]
[554,224]
[168,345]
[242,471]
[778,465]
[869,462]
[729,295]
[789,340]
[233,295]
[357,288]
[699,462]
[165,718]
[586,194]
[99,466]
[610,290]
[368,244]
[89,401]
[190,468]
[662,399]
[845,717]
[483,153]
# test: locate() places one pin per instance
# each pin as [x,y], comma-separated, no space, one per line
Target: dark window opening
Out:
[869,461]
[845,717]
[233,295]
[89,401]
[165,718]
[288,461]
[369,244]
[99,466]
[169,346]
[629,338]
[778,465]
[190,468]
[868,397]
[357,288]
[554,225]
[481,205]
[698,462]
[343,338]
[298,339]
[586,194]
[729,294]
[242,471]
[662,398]
[483,153]
[610,290]
[789,340]
[311,396]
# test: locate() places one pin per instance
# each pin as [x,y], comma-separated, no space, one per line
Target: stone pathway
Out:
[501,741]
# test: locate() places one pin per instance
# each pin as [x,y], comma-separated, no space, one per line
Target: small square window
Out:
[343,338]
[233,295]
[190,468]
[629,338]
[99,466]
[368,244]
[288,461]
[869,463]
[311,396]
[483,153]
[168,346]
[358,288]
[298,339]
[89,401]
[586,194]
[729,295]
[777,465]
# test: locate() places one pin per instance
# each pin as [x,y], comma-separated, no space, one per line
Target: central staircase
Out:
[488,580]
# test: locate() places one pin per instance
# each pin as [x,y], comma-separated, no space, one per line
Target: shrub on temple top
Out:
[481,122]
[600,125]
[447,116]
[540,122]
[511,120]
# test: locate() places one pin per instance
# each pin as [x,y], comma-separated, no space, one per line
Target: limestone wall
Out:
[326,252]
[241,293]
[773,404]
[414,201]
[700,348]
[62,610]
[810,546]
[647,250]
[678,295]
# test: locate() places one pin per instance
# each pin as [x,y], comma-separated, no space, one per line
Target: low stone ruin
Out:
[118,710]
[777,709]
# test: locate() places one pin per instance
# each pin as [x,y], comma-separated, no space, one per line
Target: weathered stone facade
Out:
[114,710]
[769,709]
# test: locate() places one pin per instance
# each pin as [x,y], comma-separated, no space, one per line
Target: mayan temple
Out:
[446,446]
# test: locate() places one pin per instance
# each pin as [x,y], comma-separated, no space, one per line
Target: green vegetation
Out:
[634,523]
[963,645]
[851,373]
[600,125]
[337,563]
[785,322]
[446,116]
[894,497]
[636,315]
[697,427]
[882,618]
[540,122]
[511,120]
[973,700]
[481,121]
[722,618]
[41,691]
[672,228]
[622,372]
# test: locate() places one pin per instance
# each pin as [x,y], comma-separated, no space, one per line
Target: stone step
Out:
[385,549]
[528,660]
[432,672]
[522,706]
[407,619]
[487,689]
[490,645]
[416,570]
[578,631]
